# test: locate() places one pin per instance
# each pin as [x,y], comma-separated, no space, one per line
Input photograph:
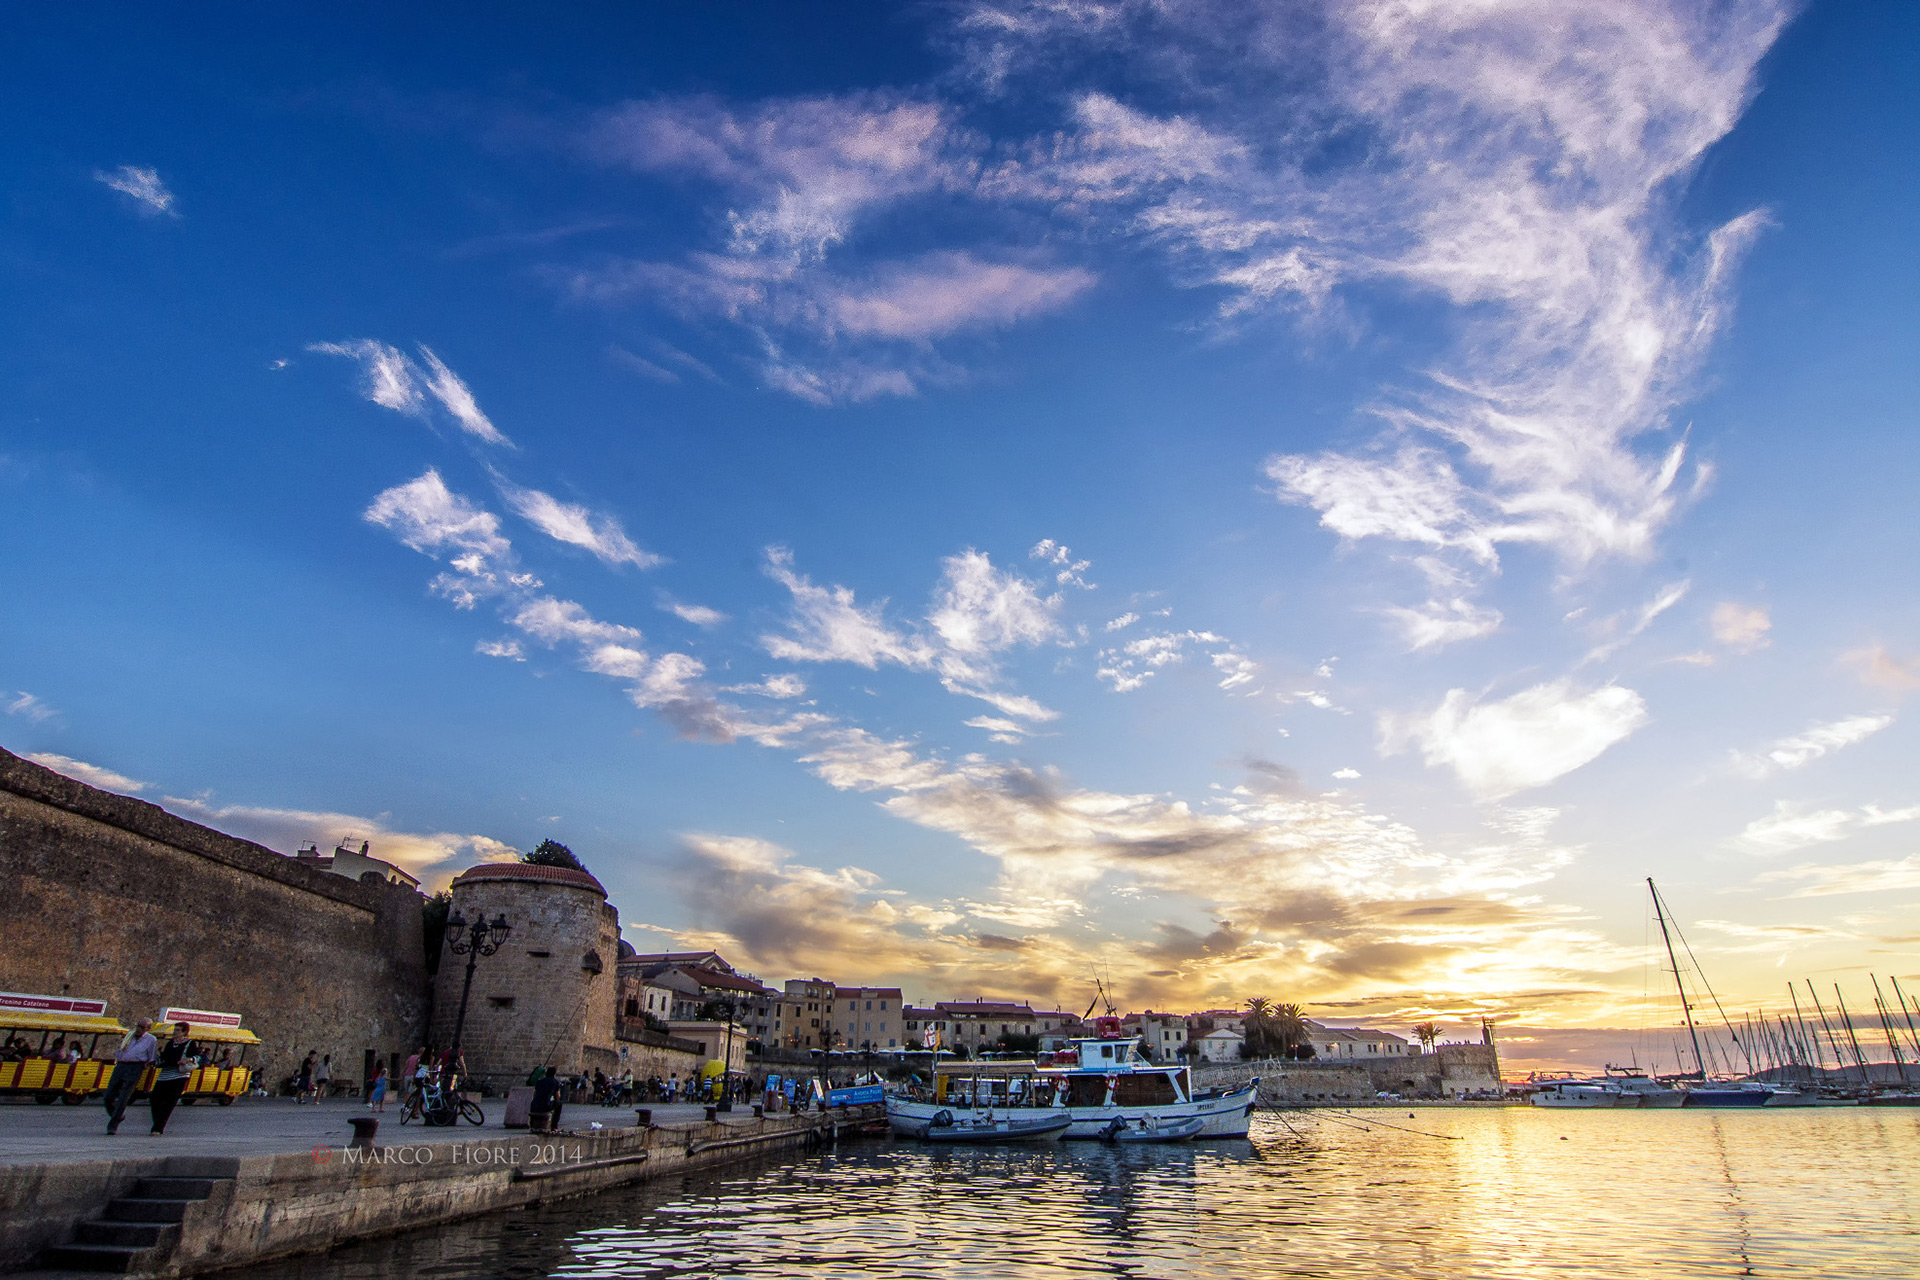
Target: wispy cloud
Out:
[1803,748]
[1881,669]
[29,706]
[1791,826]
[577,526]
[91,774]
[698,614]
[1740,627]
[393,380]
[1520,742]
[143,185]
[978,612]
[1857,877]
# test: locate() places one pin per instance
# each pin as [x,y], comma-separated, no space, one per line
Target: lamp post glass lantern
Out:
[472,941]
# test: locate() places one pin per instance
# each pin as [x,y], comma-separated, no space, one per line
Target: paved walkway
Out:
[32,1134]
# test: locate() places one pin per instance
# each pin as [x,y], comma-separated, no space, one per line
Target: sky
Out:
[1317,501]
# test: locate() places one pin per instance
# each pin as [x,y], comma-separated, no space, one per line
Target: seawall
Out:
[268,1206]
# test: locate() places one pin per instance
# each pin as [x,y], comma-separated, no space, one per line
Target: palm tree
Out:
[1427,1033]
[1290,1026]
[1259,1028]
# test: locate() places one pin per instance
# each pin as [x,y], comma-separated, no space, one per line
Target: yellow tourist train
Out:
[223,1075]
[30,1025]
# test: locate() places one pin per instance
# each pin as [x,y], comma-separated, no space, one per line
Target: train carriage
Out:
[40,1020]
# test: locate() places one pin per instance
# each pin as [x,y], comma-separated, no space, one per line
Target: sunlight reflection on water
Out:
[1507,1193]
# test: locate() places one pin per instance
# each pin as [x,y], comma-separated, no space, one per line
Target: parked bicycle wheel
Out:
[471,1110]
[442,1116]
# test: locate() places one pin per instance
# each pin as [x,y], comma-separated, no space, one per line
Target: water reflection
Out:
[1453,1193]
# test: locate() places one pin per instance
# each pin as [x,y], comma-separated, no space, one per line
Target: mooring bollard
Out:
[643,1116]
[363,1130]
[713,1113]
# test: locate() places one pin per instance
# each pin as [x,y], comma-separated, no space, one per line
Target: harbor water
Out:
[1515,1192]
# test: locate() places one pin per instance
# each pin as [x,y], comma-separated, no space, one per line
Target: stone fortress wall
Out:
[115,898]
[1448,1072]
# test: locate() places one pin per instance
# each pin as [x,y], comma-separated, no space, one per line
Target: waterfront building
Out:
[1223,1044]
[983,1024]
[868,1017]
[696,959]
[803,1014]
[1339,1044]
[713,1040]
[919,1024]
[345,862]
[1163,1036]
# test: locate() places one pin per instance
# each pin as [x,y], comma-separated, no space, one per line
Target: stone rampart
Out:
[115,898]
[1448,1072]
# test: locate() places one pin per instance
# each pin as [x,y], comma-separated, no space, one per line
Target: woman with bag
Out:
[178,1057]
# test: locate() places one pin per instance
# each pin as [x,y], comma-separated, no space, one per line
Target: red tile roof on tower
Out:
[527,871]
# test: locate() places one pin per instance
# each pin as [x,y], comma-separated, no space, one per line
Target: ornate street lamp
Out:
[472,941]
[726,1077]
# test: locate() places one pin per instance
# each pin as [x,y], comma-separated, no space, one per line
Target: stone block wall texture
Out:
[538,1001]
[117,899]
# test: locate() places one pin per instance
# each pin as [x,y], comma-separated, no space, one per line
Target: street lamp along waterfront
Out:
[472,941]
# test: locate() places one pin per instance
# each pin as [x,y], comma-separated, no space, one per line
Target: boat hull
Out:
[1227,1116]
[1576,1101]
[1034,1130]
[1724,1098]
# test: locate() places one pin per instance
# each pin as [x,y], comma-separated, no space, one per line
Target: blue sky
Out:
[1316,503]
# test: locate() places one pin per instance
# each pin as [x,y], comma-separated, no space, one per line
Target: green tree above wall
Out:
[551,853]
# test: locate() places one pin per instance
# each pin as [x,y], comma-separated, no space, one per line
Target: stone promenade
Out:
[31,1134]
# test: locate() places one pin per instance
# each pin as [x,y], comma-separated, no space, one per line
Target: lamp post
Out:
[472,941]
[726,1076]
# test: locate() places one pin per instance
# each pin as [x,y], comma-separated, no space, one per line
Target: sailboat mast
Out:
[1886,1027]
[1812,1041]
[1686,1010]
[1846,1020]
[1839,1058]
[1907,1013]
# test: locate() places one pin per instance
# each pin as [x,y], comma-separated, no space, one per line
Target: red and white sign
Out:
[52,1004]
[204,1017]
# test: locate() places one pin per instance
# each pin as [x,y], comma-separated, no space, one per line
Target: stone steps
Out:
[137,1233]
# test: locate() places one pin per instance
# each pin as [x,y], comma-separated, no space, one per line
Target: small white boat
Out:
[943,1127]
[1148,1130]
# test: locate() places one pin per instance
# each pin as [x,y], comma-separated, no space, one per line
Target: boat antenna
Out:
[1686,1010]
[1811,1040]
[1886,1027]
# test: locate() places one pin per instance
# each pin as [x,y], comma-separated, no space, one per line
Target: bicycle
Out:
[434,1105]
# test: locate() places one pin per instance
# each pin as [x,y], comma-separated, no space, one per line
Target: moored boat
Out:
[1146,1131]
[944,1127]
[1097,1081]
[1575,1095]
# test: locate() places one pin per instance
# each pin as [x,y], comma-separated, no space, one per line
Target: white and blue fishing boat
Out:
[1097,1081]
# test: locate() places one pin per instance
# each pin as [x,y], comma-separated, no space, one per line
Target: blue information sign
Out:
[855,1096]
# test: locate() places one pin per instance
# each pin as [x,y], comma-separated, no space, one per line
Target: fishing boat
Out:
[1095,1082]
[1146,1131]
[944,1127]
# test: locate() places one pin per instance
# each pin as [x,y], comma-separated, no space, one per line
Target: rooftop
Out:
[497,871]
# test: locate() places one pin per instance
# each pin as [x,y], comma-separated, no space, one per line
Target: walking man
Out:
[136,1053]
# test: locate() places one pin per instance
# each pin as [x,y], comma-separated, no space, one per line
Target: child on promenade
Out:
[377,1094]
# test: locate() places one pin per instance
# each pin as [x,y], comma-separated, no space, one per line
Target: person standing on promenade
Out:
[130,1062]
[543,1116]
[303,1090]
[177,1059]
[323,1077]
[377,1091]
